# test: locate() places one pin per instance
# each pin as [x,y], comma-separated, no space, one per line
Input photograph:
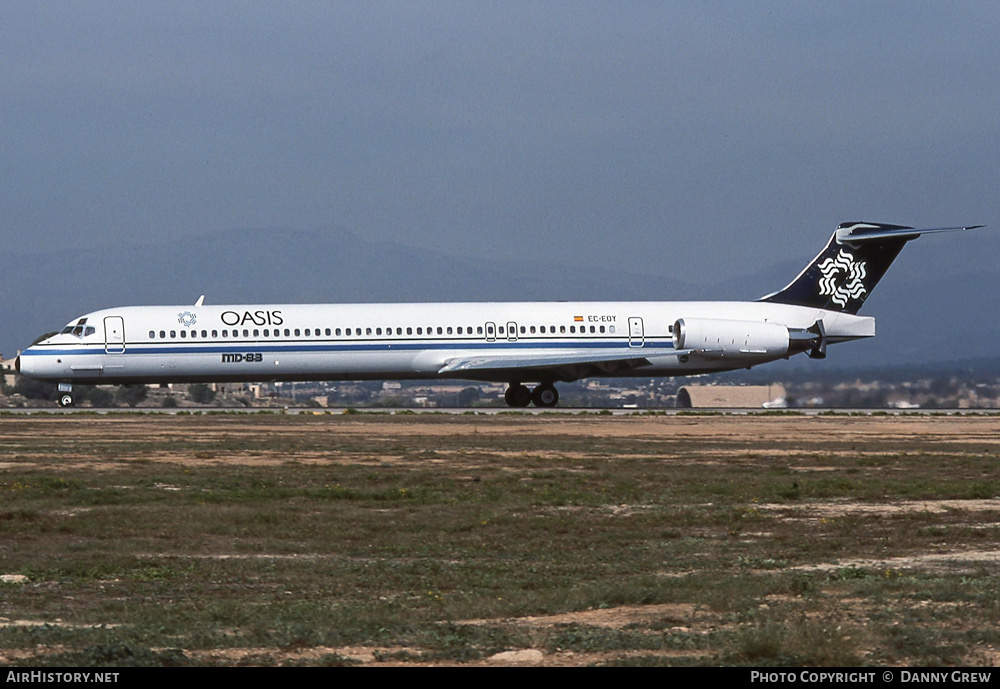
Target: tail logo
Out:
[842,278]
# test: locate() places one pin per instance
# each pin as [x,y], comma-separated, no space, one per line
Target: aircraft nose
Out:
[26,365]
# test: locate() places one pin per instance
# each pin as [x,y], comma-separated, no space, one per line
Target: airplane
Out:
[518,343]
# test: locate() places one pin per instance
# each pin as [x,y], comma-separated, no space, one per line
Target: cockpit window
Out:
[80,329]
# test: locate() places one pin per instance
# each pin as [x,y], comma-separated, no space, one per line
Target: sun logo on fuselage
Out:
[851,285]
[187,319]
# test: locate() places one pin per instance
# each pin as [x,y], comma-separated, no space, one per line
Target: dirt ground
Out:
[205,441]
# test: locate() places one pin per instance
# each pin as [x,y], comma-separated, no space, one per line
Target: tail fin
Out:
[844,273]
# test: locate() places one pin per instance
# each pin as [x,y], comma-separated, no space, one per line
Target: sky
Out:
[700,138]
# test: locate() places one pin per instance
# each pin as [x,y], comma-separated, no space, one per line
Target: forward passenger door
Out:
[114,335]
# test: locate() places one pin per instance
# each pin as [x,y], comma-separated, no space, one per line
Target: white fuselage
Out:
[159,344]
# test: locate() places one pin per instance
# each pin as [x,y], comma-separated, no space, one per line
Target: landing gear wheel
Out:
[517,396]
[545,395]
[66,400]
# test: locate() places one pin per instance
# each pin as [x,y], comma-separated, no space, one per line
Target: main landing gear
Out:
[544,395]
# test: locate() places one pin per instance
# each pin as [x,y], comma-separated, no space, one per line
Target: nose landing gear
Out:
[65,394]
[544,395]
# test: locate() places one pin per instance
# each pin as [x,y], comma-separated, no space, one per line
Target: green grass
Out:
[201,540]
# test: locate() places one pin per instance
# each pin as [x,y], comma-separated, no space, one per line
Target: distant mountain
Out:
[926,312]
[44,291]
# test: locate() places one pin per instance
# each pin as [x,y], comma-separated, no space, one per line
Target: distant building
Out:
[7,366]
[732,397]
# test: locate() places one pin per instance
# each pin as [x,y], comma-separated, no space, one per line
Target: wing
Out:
[566,366]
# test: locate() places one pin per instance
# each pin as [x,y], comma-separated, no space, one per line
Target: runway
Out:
[492,411]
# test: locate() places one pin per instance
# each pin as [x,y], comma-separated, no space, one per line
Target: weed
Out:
[285,539]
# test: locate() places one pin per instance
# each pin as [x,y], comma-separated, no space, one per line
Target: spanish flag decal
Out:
[578,319]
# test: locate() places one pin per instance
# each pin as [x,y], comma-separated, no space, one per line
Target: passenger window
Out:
[440,332]
[256,333]
[215,333]
[246,333]
[368,331]
[602,328]
[409,331]
[328,332]
[183,334]
[297,332]
[562,329]
[449,330]
[204,333]
[378,331]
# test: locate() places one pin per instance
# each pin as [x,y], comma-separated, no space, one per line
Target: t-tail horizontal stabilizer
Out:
[846,271]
